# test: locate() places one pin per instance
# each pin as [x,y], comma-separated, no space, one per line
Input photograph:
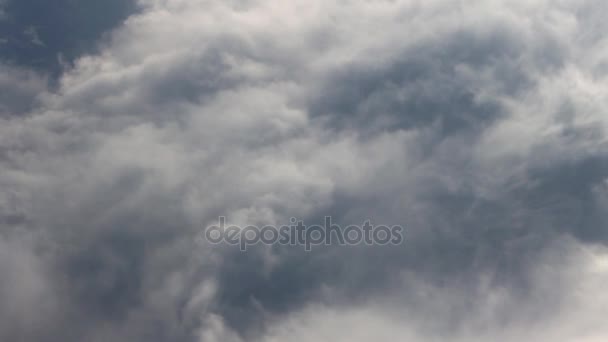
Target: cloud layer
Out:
[480,127]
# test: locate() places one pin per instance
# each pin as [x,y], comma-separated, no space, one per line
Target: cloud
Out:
[19,90]
[480,128]
[564,302]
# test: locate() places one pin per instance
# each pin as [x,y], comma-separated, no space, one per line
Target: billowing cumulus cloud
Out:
[480,127]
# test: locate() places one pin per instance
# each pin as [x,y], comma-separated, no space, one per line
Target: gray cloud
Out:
[481,130]
[19,89]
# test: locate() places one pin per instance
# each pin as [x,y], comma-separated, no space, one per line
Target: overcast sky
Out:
[126,127]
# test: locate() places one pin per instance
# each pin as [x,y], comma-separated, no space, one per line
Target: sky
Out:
[127,127]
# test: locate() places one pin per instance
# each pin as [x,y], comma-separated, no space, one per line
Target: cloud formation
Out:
[480,127]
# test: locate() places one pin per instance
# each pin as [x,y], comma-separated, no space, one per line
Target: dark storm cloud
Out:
[420,89]
[426,84]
